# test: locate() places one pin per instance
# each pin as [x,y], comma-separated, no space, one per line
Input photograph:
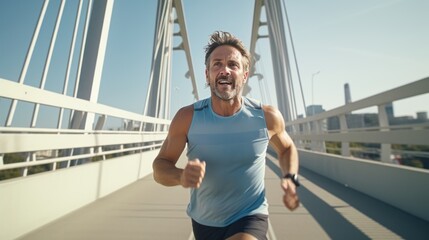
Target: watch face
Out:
[295,179]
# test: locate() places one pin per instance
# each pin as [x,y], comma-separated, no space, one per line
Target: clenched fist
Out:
[290,198]
[193,174]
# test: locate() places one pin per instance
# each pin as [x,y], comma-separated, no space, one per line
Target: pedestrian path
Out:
[147,210]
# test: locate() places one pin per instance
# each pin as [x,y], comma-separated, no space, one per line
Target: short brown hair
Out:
[220,38]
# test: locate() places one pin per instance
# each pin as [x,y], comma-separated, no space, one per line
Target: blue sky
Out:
[374,45]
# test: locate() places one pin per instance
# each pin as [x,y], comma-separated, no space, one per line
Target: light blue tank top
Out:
[234,149]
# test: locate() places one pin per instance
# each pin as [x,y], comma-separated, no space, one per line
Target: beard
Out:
[225,94]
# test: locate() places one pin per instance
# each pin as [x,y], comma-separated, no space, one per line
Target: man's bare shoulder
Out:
[272,113]
[183,118]
[185,112]
[273,118]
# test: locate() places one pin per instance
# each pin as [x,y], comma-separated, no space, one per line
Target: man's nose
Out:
[225,71]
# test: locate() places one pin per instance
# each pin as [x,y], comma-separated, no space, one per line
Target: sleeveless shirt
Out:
[234,149]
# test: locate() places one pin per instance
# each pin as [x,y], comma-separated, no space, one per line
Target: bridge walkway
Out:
[146,210]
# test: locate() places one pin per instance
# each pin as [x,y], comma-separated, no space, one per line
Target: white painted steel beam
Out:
[254,38]
[28,57]
[183,33]
[93,60]
[70,59]
[158,96]
[155,98]
[13,90]
[280,58]
[48,60]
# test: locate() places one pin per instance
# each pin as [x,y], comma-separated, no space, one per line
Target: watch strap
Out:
[293,177]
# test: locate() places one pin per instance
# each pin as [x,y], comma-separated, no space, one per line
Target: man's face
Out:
[225,73]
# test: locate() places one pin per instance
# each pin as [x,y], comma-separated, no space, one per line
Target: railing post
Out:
[317,128]
[345,146]
[299,130]
[321,127]
[307,130]
[31,156]
[383,120]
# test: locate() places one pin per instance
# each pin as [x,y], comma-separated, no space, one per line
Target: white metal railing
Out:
[312,133]
[42,146]
[54,148]
[34,147]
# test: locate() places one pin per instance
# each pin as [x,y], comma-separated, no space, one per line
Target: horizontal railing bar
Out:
[412,137]
[394,151]
[72,131]
[391,128]
[26,142]
[31,94]
[409,90]
[73,157]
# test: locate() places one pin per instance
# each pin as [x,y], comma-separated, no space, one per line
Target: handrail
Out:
[27,93]
[74,157]
[70,131]
[312,132]
[408,90]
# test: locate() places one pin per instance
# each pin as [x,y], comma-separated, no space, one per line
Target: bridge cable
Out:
[294,56]
[263,87]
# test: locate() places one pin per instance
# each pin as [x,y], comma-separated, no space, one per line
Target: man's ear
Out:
[207,77]
[245,76]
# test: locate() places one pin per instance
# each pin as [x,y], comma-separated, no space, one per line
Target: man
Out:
[227,136]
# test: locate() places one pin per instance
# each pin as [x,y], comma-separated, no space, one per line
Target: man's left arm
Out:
[287,155]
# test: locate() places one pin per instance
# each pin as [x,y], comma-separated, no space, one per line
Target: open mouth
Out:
[224,81]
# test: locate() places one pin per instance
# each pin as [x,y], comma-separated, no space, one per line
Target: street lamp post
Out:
[312,90]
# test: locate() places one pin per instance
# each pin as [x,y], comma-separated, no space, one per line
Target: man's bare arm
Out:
[165,171]
[281,141]
[286,152]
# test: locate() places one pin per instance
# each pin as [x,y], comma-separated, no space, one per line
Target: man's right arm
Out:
[165,171]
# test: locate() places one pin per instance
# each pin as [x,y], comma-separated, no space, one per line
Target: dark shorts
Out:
[256,225]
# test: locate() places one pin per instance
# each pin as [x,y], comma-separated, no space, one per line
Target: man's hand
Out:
[193,174]
[290,198]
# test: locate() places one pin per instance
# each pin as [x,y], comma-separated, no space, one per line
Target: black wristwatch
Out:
[294,178]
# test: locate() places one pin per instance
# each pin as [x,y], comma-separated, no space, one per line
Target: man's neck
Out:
[226,107]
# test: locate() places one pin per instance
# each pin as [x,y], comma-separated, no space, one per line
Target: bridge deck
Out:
[146,210]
